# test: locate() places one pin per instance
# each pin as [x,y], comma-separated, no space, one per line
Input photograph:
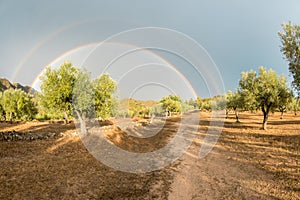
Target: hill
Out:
[6,84]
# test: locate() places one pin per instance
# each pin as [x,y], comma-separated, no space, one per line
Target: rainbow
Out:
[92,46]
[208,78]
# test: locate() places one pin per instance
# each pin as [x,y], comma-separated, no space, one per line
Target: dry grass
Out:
[276,150]
[63,168]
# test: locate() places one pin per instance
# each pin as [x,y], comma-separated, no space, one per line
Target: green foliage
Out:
[285,102]
[290,47]
[193,103]
[187,106]
[68,89]
[9,103]
[248,90]
[57,88]
[294,105]
[172,103]
[83,95]
[18,104]
[233,100]
[204,104]
[105,100]
[156,109]
[267,91]
[2,112]
[218,103]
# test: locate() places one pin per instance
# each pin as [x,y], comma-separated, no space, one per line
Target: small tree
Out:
[285,102]
[188,105]
[9,103]
[83,96]
[172,103]
[156,109]
[105,96]
[2,112]
[193,103]
[268,90]
[294,105]
[218,102]
[18,104]
[234,102]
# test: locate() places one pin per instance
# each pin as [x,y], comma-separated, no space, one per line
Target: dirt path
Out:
[217,176]
[228,174]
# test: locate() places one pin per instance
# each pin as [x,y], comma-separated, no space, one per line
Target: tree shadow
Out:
[284,122]
[44,127]
[63,168]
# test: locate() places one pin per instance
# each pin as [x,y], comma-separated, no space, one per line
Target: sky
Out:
[199,48]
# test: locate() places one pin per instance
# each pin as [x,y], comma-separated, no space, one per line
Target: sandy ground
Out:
[246,163]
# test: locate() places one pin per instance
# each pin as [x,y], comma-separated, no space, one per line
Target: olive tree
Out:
[290,47]
[18,104]
[294,105]
[69,88]
[105,100]
[285,103]
[57,89]
[83,98]
[2,112]
[218,102]
[267,88]
[172,103]
[234,102]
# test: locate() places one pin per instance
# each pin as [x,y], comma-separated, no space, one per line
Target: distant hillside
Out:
[124,103]
[6,84]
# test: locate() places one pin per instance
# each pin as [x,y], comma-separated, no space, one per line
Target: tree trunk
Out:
[281,115]
[83,128]
[266,115]
[10,117]
[4,116]
[265,121]
[237,115]
[66,117]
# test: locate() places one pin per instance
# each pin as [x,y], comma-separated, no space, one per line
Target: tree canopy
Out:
[290,47]
[15,103]
[105,96]
[57,88]
[172,103]
[234,102]
[68,89]
[83,96]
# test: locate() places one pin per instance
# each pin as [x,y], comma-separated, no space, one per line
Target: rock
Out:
[9,137]
[51,135]
[74,134]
